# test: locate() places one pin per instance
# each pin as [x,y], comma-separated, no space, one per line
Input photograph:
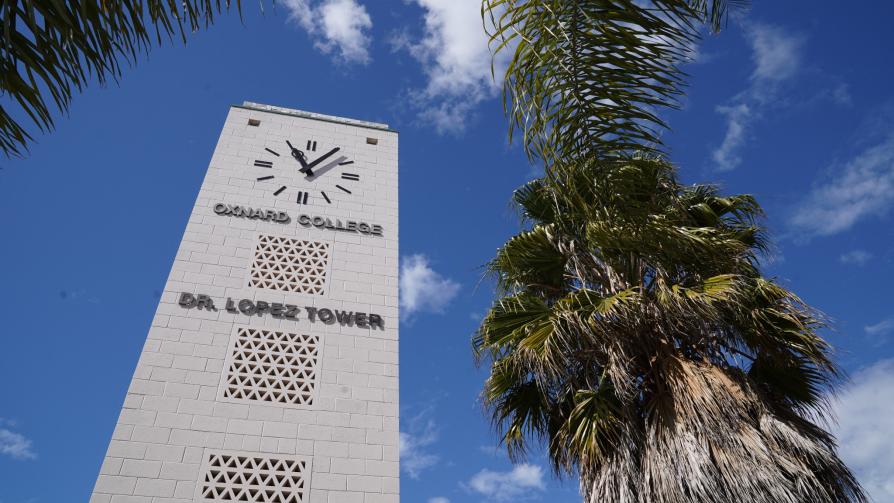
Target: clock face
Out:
[326,175]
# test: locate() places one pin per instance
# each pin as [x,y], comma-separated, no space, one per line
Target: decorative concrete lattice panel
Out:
[272,366]
[291,265]
[253,478]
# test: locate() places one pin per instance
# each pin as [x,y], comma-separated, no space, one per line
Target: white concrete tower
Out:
[270,372]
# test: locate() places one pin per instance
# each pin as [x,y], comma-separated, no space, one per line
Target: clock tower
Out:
[270,372]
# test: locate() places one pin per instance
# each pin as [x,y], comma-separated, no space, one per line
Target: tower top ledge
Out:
[312,115]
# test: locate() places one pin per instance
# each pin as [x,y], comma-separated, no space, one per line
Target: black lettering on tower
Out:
[187,300]
[246,307]
[345,317]
[204,301]
[326,316]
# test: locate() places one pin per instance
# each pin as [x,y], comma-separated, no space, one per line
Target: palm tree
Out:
[590,77]
[637,339]
[634,334]
[52,48]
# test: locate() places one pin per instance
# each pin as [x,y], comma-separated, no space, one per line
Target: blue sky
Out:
[793,103]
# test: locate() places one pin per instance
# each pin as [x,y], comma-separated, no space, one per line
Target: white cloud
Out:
[454,54]
[14,444]
[421,433]
[865,422]
[863,187]
[855,257]
[491,450]
[737,118]
[776,54]
[340,26]
[518,484]
[881,328]
[439,499]
[773,258]
[777,57]
[423,289]
[841,95]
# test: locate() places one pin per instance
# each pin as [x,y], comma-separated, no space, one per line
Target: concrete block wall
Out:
[174,416]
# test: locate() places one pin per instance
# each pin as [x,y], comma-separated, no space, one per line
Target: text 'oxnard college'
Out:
[305,220]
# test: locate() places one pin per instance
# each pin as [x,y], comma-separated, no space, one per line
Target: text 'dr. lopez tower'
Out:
[270,372]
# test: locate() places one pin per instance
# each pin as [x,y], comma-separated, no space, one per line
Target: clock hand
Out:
[326,167]
[299,155]
[307,169]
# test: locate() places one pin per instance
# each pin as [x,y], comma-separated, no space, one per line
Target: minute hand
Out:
[307,169]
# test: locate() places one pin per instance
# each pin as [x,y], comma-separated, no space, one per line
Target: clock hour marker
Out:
[345,163]
[263,164]
[311,146]
[272,152]
[325,197]
[302,197]
[350,176]
[344,189]
[279,190]
[262,178]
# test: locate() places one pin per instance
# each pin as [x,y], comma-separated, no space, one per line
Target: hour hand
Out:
[299,156]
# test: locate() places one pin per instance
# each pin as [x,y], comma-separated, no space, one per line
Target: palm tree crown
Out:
[636,335]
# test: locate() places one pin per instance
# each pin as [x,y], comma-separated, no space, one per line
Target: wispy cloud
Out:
[865,421]
[841,95]
[883,327]
[776,55]
[523,482]
[738,118]
[339,27]
[78,295]
[862,187]
[13,444]
[438,499]
[453,51]
[420,432]
[492,450]
[855,257]
[422,288]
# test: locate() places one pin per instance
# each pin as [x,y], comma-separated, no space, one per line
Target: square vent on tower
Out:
[290,265]
[272,366]
[253,478]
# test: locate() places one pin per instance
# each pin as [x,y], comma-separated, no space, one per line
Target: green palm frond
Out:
[589,306]
[713,290]
[590,77]
[51,49]
[510,320]
[535,202]
[519,414]
[593,427]
[531,258]
[793,381]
